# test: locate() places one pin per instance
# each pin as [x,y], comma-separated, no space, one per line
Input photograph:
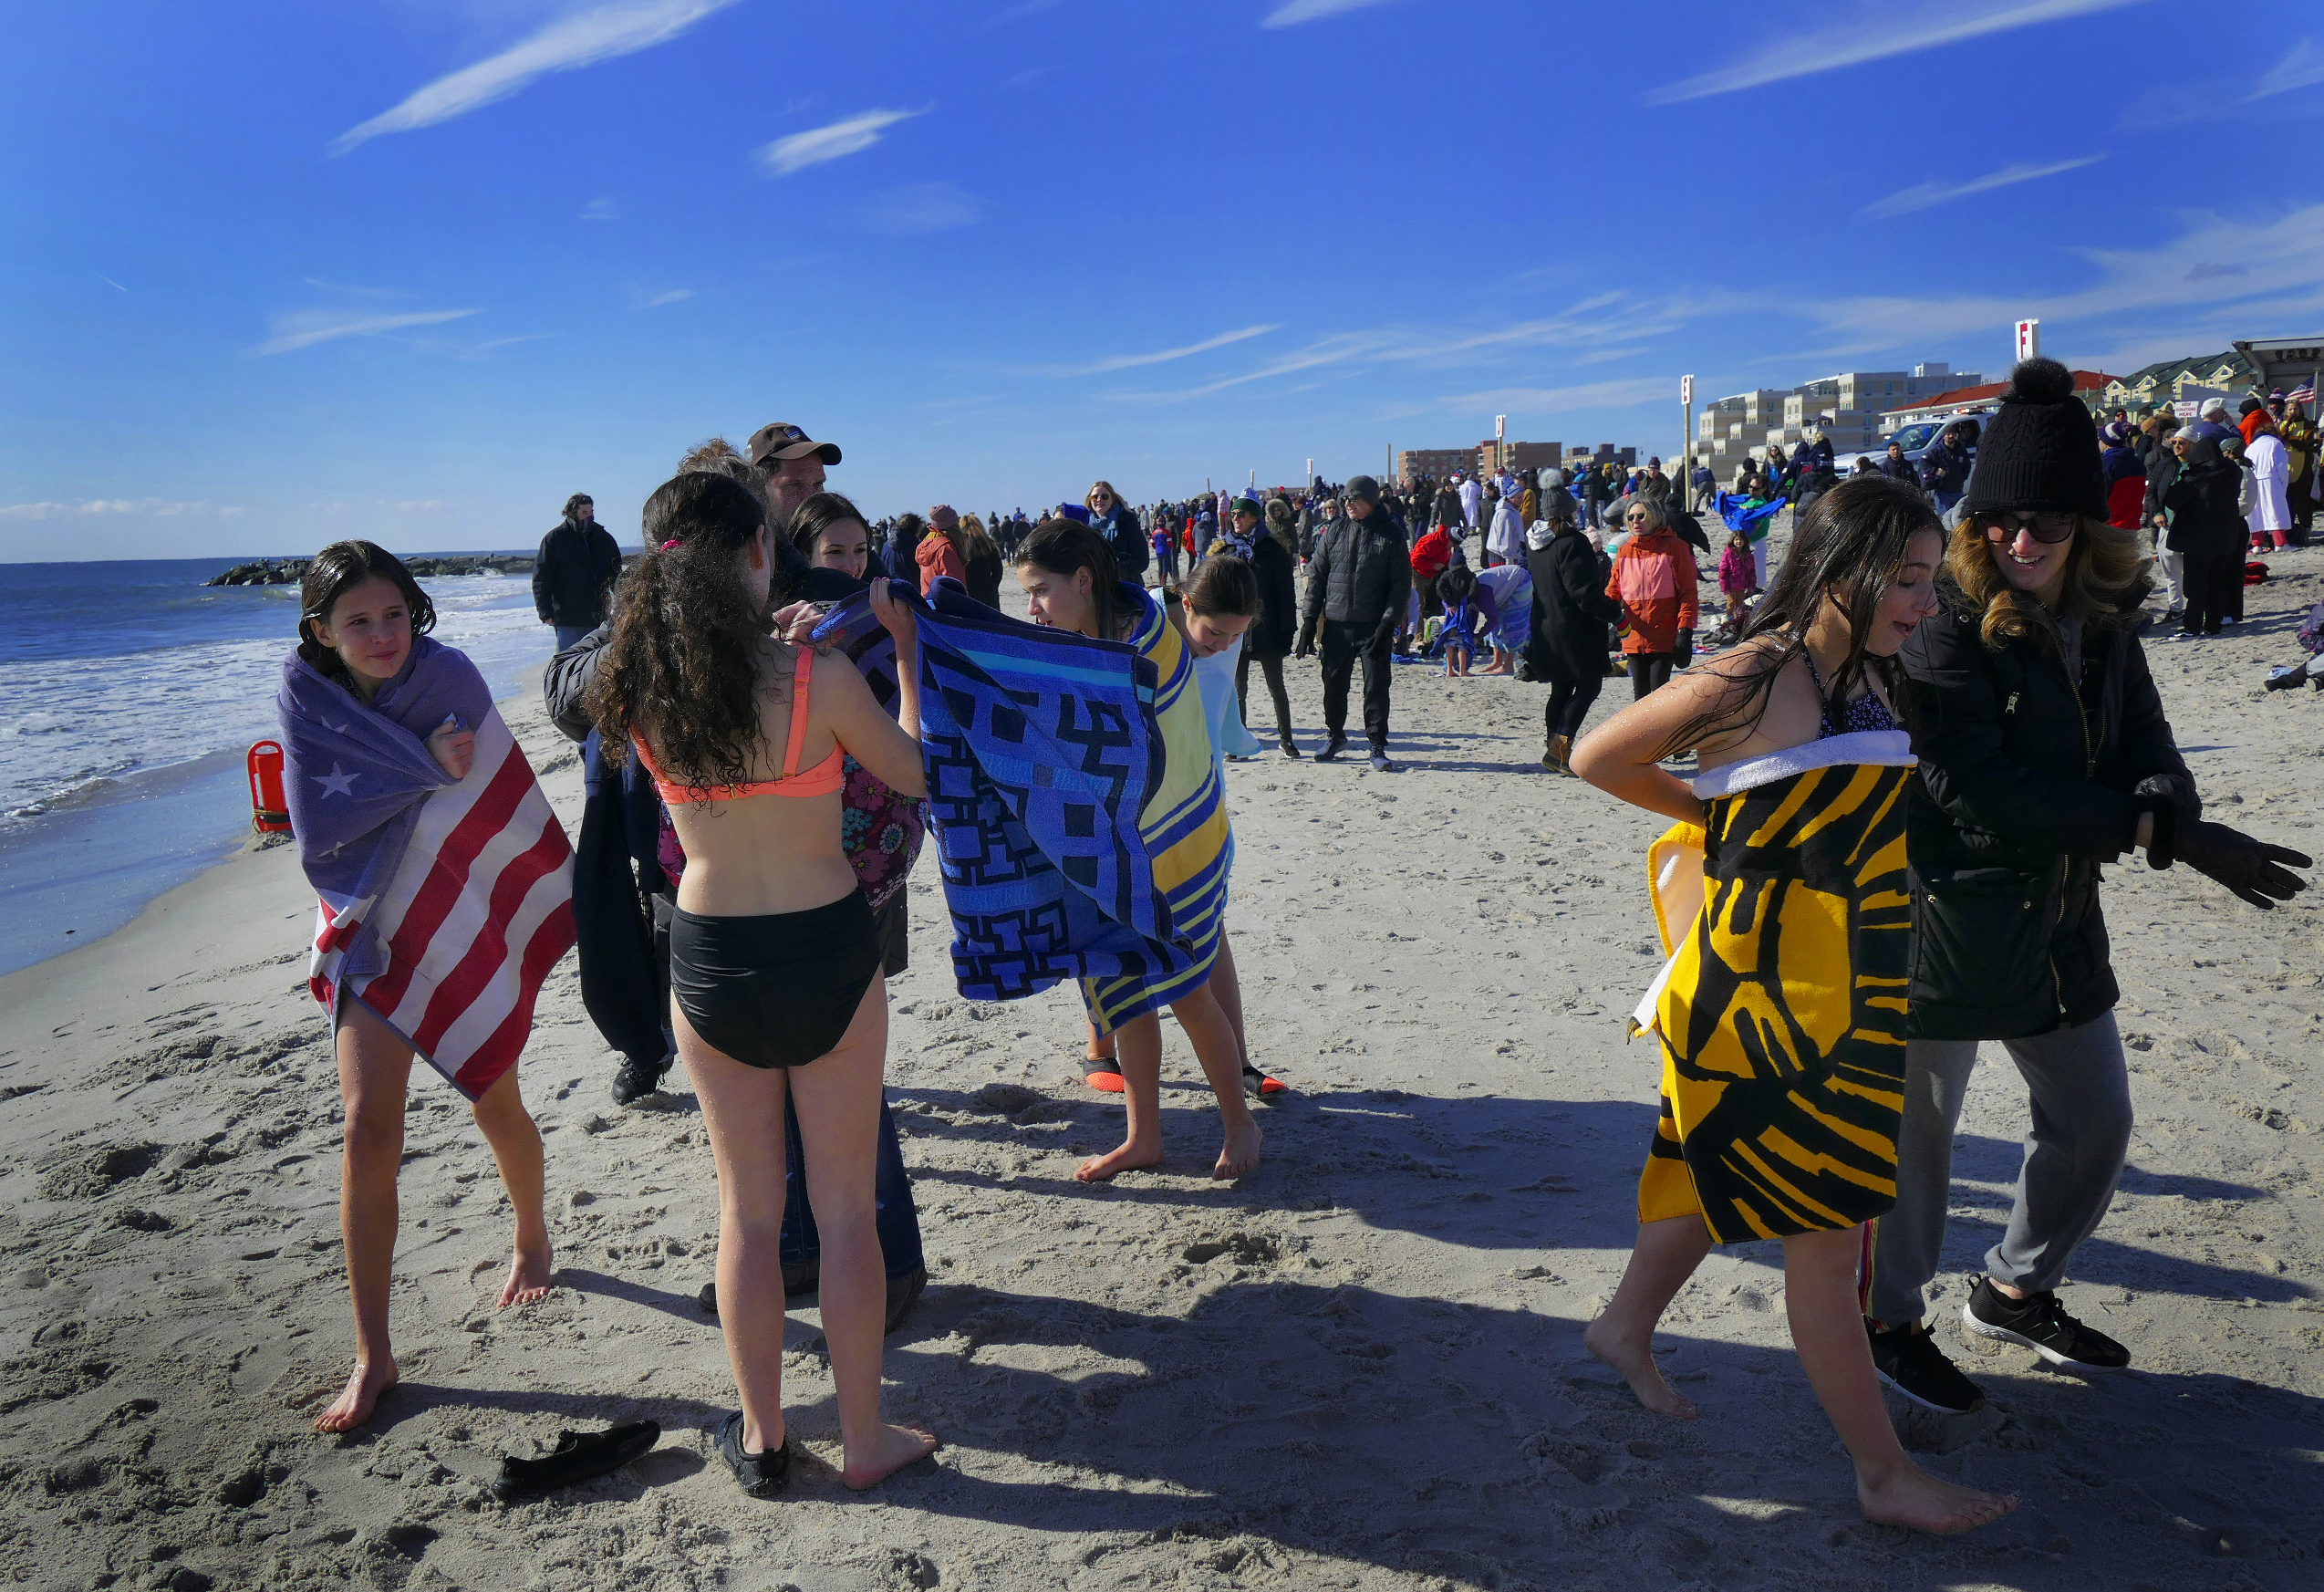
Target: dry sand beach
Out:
[1361,1367]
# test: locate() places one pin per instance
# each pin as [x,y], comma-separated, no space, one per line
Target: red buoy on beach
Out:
[269,808]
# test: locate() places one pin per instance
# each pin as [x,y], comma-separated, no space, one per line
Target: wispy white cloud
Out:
[563,46]
[1899,31]
[2218,279]
[1616,394]
[601,210]
[420,505]
[492,344]
[674,295]
[1294,12]
[109,281]
[849,136]
[303,329]
[96,508]
[2173,102]
[1132,361]
[1928,195]
[1019,12]
[921,207]
[1610,321]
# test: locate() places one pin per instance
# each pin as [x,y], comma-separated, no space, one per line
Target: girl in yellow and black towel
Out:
[1781,1012]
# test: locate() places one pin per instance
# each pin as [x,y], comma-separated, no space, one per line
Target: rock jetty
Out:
[290,571]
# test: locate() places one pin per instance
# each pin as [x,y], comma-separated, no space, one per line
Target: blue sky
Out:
[276,273]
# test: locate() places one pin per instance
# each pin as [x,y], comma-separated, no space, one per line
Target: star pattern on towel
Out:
[337,784]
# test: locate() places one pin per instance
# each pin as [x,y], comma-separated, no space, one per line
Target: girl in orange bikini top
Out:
[823,779]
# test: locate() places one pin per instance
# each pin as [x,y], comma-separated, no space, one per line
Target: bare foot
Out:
[528,1276]
[896,1447]
[355,1403]
[1634,1358]
[1240,1154]
[1912,1497]
[1133,1155]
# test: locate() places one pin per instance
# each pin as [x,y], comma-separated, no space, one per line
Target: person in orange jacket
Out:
[1654,579]
[940,554]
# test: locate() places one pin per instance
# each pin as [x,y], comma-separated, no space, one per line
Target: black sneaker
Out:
[637,1079]
[1907,1358]
[1332,750]
[761,1474]
[2040,1322]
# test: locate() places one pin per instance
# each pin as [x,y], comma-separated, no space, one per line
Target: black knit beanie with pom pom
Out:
[2040,452]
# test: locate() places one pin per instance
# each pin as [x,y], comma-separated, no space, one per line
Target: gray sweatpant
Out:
[2081,1129]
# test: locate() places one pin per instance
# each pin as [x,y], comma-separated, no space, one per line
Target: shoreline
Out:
[1166,1381]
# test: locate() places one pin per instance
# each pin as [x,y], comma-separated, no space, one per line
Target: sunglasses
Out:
[2042,527]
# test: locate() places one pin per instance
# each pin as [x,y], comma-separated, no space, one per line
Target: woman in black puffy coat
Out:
[1570,613]
[2044,754]
[1273,558]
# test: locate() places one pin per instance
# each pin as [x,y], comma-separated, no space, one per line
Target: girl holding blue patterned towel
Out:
[1781,1010]
[1070,582]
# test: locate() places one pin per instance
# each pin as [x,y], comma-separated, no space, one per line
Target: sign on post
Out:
[1686,390]
[2028,341]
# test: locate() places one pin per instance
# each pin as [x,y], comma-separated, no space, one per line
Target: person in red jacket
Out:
[1432,555]
[940,552]
[2125,478]
[1654,579]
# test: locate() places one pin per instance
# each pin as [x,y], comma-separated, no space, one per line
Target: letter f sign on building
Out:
[2028,340]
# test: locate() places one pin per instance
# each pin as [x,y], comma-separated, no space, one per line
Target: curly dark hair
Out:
[688,642]
[329,577]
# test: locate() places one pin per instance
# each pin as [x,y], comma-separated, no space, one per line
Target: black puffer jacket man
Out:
[574,573]
[1356,587]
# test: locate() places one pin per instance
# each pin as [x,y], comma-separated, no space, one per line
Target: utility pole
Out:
[1687,438]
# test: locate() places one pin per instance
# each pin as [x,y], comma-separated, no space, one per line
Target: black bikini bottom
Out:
[778,990]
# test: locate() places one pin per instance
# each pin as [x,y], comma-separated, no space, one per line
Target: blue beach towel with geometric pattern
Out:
[1041,750]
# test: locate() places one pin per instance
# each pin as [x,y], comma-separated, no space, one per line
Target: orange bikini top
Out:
[823,779]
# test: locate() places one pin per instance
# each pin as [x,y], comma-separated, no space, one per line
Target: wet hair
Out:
[817,515]
[2104,564]
[688,636]
[575,501]
[1063,547]
[1223,587]
[331,575]
[1853,538]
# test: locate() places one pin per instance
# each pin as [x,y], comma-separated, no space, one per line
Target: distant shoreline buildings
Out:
[1859,410]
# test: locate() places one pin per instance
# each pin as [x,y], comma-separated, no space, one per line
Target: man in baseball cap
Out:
[793,463]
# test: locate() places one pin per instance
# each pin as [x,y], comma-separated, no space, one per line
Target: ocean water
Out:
[130,694]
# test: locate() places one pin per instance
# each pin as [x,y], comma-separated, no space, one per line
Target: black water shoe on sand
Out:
[1907,1358]
[2039,1322]
[761,1474]
[577,1457]
[637,1079]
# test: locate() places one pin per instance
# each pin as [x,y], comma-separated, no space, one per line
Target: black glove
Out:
[1382,642]
[1686,648]
[1306,647]
[2250,869]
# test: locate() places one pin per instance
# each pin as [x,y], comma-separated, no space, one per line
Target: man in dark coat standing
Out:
[1356,587]
[573,572]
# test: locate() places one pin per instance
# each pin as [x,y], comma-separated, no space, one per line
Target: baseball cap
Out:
[780,440]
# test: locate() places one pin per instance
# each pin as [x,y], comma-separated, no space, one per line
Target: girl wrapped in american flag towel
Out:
[446,892]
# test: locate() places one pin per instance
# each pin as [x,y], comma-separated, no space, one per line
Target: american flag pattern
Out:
[445,919]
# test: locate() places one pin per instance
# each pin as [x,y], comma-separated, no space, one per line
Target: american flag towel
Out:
[443,904]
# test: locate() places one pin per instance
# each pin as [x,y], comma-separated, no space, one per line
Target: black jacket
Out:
[1361,572]
[1273,632]
[2202,497]
[573,574]
[1570,610]
[1943,468]
[2024,789]
[1120,529]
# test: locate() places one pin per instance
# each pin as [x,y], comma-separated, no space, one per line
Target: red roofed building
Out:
[2090,386]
